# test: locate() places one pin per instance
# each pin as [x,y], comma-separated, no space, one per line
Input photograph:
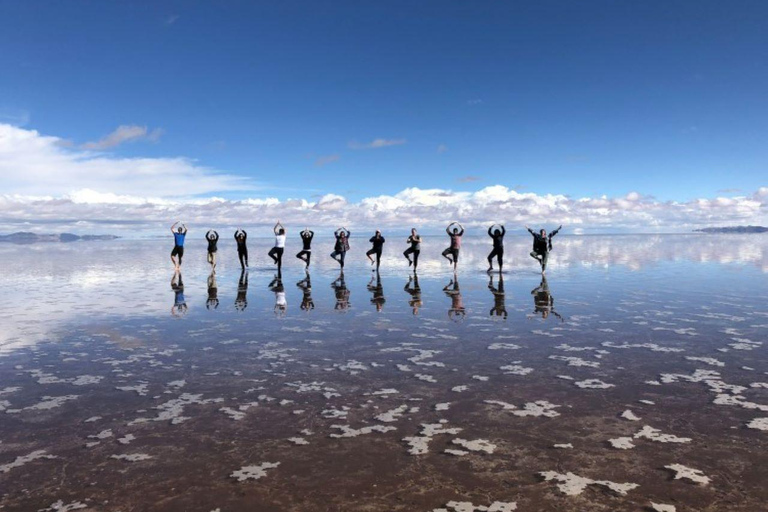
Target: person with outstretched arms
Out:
[178,243]
[542,244]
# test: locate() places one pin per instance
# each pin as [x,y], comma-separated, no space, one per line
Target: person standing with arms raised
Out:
[542,244]
[213,239]
[415,249]
[498,245]
[178,243]
[378,246]
[276,253]
[341,246]
[305,254]
[242,250]
[452,252]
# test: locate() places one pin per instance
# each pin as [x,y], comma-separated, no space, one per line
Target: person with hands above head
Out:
[213,238]
[455,231]
[542,244]
[341,246]
[305,254]
[498,245]
[276,252]
[178,243]
[242,250]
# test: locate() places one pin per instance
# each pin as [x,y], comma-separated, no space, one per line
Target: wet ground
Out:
[634,377]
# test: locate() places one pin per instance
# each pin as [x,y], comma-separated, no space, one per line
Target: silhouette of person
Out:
[342,293]
[179,302]
[457,311]
[213,292]
[241,301]
[543,302]
[307,304]
[499,308]
[378,292]
[412,287]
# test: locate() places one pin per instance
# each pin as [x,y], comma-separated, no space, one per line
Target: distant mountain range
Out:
[734,229]
[31,238]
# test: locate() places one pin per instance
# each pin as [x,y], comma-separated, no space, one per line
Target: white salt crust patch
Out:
[652,434]
[419,445]
[172,410]
[126,439]
[503,346]
[47,403]
[23,459]
[300,441]
[131,457]
[467,506]
[758,424]
[622,443]
[347,431]
[392,415]
[630,416]
[459,389]
[684,472]
[565,446]
[515,369]
[442,406]
[59,506]
[573,485]
[477,445]
[253,472]
[593,384]
[660,507]
[537,408]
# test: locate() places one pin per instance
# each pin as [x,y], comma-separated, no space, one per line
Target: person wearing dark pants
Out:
[498,246]
[542,244]
[306,252]
[378,246]
[415,249]
[341,246]
[242,249]
[452,252]
[213,239]
[178,243]
[276,252]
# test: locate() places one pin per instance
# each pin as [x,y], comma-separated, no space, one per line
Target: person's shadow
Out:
[457,312]
[342,293]
[499,309]
[414,290]
[307,303]
[179,308]
[543,301]
[377,290]
[241,301]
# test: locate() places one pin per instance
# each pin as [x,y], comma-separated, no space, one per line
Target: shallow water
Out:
[100,359]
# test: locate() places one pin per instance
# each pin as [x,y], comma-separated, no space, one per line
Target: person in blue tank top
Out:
[178,239]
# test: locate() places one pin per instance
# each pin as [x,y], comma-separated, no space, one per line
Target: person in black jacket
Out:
[415,249]
[341,246]
[213,238]
[542,244]
[498,246]
[242,249]
[378,245]
[306,252]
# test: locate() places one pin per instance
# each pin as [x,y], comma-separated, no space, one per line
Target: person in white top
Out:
[276,253]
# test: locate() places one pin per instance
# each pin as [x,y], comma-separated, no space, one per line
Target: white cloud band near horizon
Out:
[52,188]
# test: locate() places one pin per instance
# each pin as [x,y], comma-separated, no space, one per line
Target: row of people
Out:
[543,301]
[542,244]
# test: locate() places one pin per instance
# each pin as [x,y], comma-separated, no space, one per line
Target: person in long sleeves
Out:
[305,254]
[378,246]
[498,246]
[415,249]
[542,244]
[242,250]
[341,246]
[452,252]
[213,239]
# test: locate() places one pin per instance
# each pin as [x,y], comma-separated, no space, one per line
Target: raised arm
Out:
[173,227]
[530,231]
[489,231]
[461,228]
[184,227]
[556,231]
[448,229]
[503,230]
[277,226]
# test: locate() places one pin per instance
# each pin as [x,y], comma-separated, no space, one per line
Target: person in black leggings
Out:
[498,246]
[415,249]
[213,238]
[276,252]
[242,249]
[342,245]
[378,245]
[306,252]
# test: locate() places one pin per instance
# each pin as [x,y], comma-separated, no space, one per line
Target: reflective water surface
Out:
[634,373]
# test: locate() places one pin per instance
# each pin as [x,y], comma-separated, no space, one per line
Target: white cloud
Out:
[36,164]
[124,133]
[50,188]
[376,143]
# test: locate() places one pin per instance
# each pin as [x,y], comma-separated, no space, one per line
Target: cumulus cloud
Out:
[124,133]
[324,160]
[35,164]
[50,188]
[376,143]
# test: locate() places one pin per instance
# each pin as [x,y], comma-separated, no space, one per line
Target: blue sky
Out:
[584,99]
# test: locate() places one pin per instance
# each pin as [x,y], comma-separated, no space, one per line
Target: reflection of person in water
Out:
[213,292]
[305,284]
[457,312]
[342,293]
[378,292]
[281,304]
[241,301]
[179,302]
[413,288]
[499,308]
[543,302]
